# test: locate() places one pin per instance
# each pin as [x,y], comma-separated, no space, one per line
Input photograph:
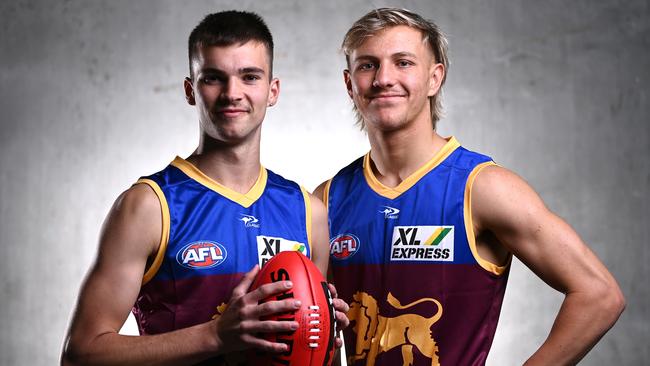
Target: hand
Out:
[341,308]
[239,326]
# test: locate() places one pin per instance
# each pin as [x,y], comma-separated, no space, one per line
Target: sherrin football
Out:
[312,344]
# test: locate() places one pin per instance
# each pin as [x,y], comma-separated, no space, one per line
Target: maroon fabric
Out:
[470,296]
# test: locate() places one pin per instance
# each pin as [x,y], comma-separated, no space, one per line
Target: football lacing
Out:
[314,328]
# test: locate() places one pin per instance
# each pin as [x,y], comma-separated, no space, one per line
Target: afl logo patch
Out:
[201,255]
[344,246]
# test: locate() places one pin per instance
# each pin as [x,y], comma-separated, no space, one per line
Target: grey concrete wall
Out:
[91,99]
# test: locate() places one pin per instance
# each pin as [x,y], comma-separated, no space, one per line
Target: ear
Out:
[436,76]
[189,91]
[274,92]
[348,81]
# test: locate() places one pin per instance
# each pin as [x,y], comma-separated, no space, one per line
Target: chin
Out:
[387,122]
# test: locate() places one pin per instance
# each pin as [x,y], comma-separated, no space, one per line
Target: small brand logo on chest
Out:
[389,212]
[201,255]
[249,220]
[344,246]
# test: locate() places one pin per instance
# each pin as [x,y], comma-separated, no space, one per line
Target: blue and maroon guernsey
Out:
[211,237]
[405,259]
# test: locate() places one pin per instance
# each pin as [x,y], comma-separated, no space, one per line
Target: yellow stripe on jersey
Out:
[244,199]
[326,195]
[307,199]
[164,237]
[469,224]
[394,192]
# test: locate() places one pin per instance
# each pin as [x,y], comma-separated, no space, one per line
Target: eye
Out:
[251,78]
[366,66]
[404,63]
[210,79]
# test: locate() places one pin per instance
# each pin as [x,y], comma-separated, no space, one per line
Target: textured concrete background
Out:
[91,99]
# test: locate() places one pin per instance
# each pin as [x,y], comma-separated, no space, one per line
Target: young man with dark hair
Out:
[178,246]
[423,230]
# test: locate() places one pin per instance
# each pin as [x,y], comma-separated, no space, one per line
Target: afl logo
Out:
[344,246]
[201,255]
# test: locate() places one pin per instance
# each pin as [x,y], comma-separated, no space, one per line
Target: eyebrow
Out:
[241,71]
[252,70]
[395,55]
[403,54]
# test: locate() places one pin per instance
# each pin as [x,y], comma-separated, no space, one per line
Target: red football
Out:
[313,342]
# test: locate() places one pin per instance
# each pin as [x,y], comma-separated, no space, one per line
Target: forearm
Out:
[582,320]
[182,347]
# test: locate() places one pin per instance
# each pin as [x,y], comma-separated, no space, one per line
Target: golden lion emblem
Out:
[377,333]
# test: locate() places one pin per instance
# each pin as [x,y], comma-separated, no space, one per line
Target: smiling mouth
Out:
[386,97]
[232,112]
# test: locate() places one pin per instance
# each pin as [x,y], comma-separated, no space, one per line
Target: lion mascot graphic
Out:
[377,333]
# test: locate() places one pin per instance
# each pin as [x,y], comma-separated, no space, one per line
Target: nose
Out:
[384,77]
[232,91]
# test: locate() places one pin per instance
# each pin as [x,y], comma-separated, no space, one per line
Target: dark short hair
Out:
[227,28]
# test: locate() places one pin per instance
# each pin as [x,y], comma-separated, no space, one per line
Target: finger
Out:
[242,288]
[275,307]
[342,321]
[341,305]
[269,326]
[266,346]
[338,342]
[333,290]
[269,289]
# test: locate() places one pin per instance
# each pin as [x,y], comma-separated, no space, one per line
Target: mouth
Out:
[386,97]
[231,112]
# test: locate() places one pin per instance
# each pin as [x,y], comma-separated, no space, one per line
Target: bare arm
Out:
[319,235]
[503,204]
[321,255]
[319,192]
[131,235]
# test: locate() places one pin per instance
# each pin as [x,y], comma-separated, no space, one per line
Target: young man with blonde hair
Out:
[423,230]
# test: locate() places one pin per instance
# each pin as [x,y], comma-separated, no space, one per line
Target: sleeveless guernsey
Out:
[211,237]
[405,259]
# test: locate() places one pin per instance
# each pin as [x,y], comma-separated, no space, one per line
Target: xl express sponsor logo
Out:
[268,246]
[201,254]
[423,243]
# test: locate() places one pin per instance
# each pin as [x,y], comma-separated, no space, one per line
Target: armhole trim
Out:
[326,195]
[469,224]
[307,200]
[164,237]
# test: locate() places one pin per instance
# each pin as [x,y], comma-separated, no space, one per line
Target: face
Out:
[231,90]
[391,77]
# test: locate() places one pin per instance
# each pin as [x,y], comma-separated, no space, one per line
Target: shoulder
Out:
[136,216]
[139,199]
[352,168]
[500,198]
[321,191]
[319,210]
[465,159]
[278,180]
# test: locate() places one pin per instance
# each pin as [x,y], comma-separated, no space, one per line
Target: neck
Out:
[235,166]
[398,154]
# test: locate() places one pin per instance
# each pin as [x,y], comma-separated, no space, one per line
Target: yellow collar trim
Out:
[244,199]
[394,192]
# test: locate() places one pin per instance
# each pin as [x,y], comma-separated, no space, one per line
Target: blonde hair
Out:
[382,18]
